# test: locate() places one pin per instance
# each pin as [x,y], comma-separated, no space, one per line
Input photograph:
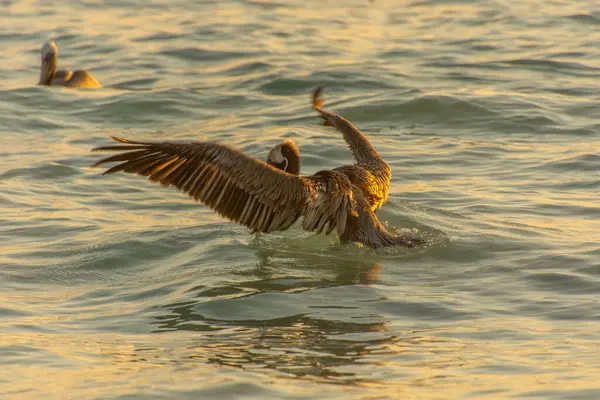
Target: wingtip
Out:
[99,163]
[118,139]
[317,100]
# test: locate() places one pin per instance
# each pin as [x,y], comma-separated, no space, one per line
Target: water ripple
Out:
[487,115]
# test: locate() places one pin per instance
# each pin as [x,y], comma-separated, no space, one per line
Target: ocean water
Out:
[112,287]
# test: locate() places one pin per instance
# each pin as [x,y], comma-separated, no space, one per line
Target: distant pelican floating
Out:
[271,196]
[50,76]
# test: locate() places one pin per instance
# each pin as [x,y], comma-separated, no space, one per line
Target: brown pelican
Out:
[271,196]
[50,76]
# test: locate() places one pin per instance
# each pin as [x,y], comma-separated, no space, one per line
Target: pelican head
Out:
[49,57]
[286,157]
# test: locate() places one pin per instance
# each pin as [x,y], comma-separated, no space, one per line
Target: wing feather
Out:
[237,186]
[364,153]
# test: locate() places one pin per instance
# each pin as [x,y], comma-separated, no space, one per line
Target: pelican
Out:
[271,196]
[50,76]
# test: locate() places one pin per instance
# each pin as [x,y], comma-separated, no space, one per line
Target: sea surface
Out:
[488,112]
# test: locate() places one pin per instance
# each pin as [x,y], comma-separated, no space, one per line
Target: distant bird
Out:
[271,196]
[50,76]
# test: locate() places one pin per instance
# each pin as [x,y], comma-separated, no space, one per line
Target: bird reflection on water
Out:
[287,337]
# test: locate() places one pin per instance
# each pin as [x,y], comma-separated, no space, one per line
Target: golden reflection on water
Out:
[419,363]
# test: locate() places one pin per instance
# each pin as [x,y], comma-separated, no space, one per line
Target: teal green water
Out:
[115,288]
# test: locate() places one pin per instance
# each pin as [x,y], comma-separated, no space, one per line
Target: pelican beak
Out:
[276,158]
[46,71]
[279,165]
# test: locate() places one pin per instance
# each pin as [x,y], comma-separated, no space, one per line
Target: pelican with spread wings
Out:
[271,196]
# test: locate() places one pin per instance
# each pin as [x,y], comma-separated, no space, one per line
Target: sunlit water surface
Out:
[113,287]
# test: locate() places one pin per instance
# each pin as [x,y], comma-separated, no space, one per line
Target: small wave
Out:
[589,162]
[587,18]
[51,171]
[440,109]
[424,310]
[563,282]
[248,67]
[563,67]
[136,84]
[195,54]
[158,37]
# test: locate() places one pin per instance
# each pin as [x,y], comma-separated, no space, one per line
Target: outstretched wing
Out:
[237,186]
[364,153]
